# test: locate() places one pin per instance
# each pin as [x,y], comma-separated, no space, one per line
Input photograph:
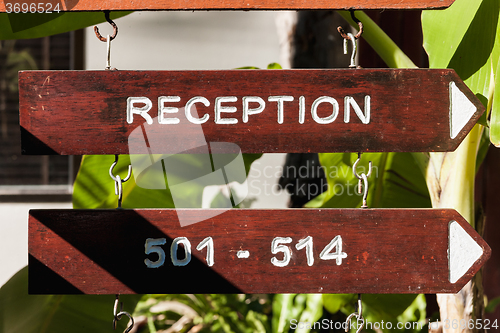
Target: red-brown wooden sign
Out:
[26,6]
[287,111]
[253,251]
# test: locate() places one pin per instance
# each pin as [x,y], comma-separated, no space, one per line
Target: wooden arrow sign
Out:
[48,6]
[252,251]
[262,111]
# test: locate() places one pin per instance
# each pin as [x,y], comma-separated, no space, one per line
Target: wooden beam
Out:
[140,5]
[261,111]
[253,251]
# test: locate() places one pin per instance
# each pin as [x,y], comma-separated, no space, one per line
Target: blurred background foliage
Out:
[399,181]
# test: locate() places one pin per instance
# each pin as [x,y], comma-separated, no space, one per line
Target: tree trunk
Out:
[308,39]
[450,179]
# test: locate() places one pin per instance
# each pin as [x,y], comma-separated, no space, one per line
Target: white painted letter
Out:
[243,254]
[152,245]
[280,100]
[230,109]
[131,109]
[187,251]
[189,104]
[209,244]
[348,101]
[162,109]
[338,255]
[302,109]
[252,99]
[276,248]
[329,119]
[308,244]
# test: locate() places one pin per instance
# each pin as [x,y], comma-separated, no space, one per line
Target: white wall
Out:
[187,40]
[14,235]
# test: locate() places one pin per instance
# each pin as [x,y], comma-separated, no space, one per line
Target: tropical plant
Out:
[464,37]
[11,62]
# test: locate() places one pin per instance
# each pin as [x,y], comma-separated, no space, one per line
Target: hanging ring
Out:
[118,316]
[113,24]
[360,25]
[358,313]
[115,178]
[119,181]
[131,326]
[354,166]
[359,318]
[363,180]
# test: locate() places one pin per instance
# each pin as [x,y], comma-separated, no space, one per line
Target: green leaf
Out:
[400,183]
[206,312]
[473,53]
[340,179]
[451,34]
[248,67]
[396,181]
[445,29]
[274,65]
[312,313]
[94,188]
[334,302]
[256,321]
[386,307]
[416,312]
[490,308]
[22,26]
[282,312]
[495,111]
[23,313]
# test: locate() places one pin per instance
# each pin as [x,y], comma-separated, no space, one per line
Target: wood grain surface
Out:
[103,251]
[85,112]
[138,5]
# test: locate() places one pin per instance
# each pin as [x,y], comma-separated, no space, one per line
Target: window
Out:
[33,178]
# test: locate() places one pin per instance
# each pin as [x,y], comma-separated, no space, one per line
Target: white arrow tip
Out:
[463,251]
[461,110]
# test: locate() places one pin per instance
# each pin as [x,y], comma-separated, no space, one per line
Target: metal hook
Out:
[365,193]
[358,313]
[360,25]
[108,52]
[118,316]
[352,38]
[115,310]
[363,179]
[119,181]
[108,39]
[354,166]
[360,306]
[115,29]
[358,318]
[354,48]
[131,326]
